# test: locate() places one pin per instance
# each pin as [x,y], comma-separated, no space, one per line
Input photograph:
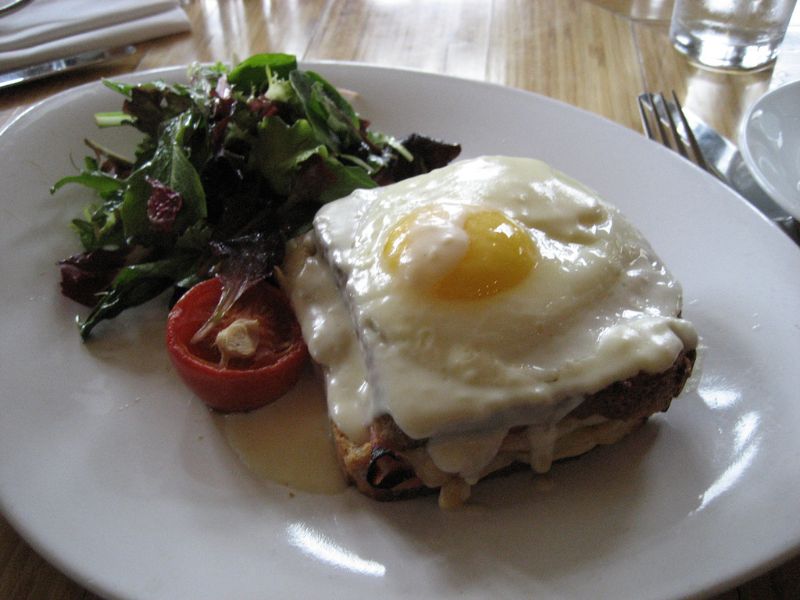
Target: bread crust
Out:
[380,469]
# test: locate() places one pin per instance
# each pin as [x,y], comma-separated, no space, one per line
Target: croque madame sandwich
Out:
[487,314]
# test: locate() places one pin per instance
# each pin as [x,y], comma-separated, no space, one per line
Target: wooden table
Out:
[595,54]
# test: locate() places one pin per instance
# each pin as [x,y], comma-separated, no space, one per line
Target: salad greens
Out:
[229,167]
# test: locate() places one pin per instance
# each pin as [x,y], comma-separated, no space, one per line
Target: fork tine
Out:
[665,122]
[698,153]
[646,111]
[664,115]
[654,122]
[652,109]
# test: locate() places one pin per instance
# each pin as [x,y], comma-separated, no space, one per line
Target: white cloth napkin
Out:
[45,30]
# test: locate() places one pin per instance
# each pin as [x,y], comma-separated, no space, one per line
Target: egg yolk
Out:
[495,255]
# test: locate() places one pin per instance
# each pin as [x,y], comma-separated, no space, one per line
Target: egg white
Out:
[599,306]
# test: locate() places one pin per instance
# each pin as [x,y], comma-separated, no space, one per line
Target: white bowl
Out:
[770,145]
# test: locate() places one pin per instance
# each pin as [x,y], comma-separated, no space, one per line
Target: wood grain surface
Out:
[595,54]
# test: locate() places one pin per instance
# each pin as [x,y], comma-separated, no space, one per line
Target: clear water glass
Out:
[730,34]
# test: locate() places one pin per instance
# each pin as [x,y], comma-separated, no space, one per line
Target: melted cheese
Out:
[599,307]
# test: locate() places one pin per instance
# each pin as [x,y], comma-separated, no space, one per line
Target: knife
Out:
[61,65]
[724,160]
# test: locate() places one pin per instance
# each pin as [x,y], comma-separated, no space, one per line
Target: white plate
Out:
[116,474]
[770,142]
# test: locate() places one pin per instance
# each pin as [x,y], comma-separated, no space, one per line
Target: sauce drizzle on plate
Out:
[288,441]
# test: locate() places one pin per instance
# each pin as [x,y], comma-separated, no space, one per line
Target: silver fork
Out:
[664,122]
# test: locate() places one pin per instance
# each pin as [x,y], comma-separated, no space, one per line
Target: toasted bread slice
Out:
[392,466]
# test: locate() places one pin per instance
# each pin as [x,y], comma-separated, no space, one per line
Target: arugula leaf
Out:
[251,75]
[171,166]
[179,174]
[332,118]
[135,285]
[347,179]
[120,88]
[195,238]
[330,92]
[182,179]
[381,139]
[103,184]
[102,227]
[151,104]
[134,207]
[279,149]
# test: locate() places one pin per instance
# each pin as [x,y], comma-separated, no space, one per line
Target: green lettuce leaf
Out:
[137,284]
[280,149]
[252,74]
[333,119]
[171,166]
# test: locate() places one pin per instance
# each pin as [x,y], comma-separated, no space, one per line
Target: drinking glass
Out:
[730,34]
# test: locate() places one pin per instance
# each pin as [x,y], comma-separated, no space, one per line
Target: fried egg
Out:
[491,293]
